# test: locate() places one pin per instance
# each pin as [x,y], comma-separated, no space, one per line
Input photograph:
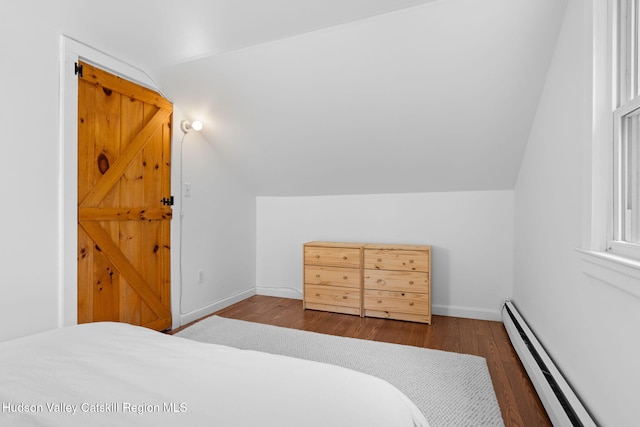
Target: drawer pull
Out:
[379,281]
[344,257]
[317,294]
[410,261]
[379,301]
[379,259]
[411,303]
[317,275]
[411,282]
[317,256]
[344,297]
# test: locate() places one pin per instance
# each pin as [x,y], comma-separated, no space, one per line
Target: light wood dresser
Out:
[377,280]
[397,282]
[333,277]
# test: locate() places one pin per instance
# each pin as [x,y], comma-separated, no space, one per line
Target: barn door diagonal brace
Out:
[113,253]
[113,174]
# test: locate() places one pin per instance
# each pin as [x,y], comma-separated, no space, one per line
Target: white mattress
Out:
[118,374]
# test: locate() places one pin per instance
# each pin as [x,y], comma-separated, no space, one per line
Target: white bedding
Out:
[117,374]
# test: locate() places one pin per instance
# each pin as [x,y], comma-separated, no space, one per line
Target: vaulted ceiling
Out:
[313,97]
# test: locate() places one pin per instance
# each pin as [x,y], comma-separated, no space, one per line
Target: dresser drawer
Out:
[336,257]
[334,295]
[332,298]
[389,280]
[399,260]
[337,276]
[396,302]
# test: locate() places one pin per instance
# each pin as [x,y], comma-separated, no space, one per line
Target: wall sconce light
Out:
[186,125]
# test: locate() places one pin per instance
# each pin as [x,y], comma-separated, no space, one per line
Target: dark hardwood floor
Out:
[518,401]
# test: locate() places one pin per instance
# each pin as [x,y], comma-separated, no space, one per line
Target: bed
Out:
[117,374]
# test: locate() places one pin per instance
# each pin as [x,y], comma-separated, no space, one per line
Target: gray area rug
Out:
[451,389]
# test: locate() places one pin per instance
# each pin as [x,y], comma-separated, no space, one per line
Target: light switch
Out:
[187,189]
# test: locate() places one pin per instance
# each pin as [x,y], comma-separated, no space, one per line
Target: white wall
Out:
[219,226]
[28,172]
[589,328]
[471,234]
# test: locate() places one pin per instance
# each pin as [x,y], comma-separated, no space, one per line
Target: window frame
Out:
[625,96]
[603,260]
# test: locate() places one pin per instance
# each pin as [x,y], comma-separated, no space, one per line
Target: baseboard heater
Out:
[559,400]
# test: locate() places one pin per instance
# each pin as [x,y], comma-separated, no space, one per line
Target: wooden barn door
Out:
[124,212]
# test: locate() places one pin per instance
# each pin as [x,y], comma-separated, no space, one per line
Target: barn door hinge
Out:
[78,70]
[167,201]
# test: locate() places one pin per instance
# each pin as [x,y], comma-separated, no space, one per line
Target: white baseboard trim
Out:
[215,306]
[466,312]
[282,292]
[440,310]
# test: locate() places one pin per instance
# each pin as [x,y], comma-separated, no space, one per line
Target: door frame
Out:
[71,51]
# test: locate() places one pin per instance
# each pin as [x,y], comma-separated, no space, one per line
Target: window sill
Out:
[614,270]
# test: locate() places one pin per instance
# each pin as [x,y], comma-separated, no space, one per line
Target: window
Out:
[612,256]
[625,236]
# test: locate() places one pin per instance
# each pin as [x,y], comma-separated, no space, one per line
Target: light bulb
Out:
[186,125]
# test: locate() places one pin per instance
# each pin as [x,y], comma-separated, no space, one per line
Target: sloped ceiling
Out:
[436,97]
[156,33]
[315,97]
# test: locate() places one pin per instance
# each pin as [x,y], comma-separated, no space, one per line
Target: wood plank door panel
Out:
[124,171]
